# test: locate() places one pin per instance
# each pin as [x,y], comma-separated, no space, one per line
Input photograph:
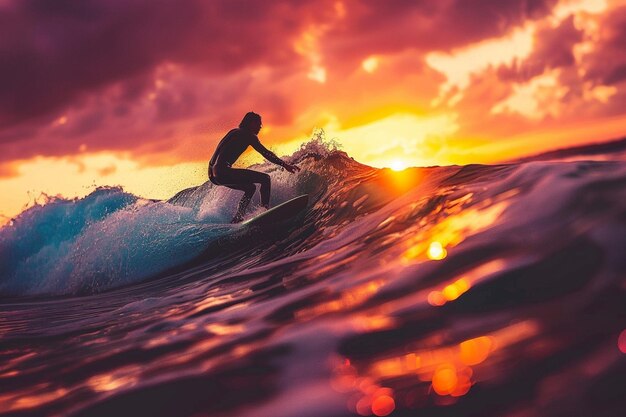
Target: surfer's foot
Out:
[237,219]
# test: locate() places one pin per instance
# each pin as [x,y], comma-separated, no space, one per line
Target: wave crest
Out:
[112,238]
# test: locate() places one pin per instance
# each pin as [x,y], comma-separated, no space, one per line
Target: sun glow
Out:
[400,139]
[398,165]
[81,174]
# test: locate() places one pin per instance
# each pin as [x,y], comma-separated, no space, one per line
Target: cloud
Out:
[164,79]
[55,51]
[606,65]
[396,25]
[105,68]
[585,56]
[108,170]
[553,48]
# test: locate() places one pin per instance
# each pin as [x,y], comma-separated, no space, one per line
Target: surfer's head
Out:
[252,122]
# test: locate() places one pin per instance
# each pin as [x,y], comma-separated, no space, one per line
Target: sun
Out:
[397,165]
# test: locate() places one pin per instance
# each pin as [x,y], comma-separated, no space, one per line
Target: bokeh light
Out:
[436,251]
[445,379]
[475,351]
[449,293]
[383,405]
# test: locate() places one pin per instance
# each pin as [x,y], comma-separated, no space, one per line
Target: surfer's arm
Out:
[267,154]
[270,156]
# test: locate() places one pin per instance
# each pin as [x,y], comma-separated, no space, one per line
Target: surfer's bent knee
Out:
[249,188]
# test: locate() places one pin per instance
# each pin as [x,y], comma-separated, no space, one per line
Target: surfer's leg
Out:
[264,180]
[266,187]
[248,191]
[243,176]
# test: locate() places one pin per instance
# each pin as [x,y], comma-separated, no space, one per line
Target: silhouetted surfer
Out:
[229,149]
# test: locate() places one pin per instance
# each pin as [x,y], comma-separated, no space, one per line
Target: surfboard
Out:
[279,213]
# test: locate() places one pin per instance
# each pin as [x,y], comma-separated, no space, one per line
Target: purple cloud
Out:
[96,62]
[553,48]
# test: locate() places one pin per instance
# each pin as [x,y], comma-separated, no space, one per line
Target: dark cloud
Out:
[603,66]
[173,105]
[391,26]
[607,64]
[96,62]
[553,48]
[54,51]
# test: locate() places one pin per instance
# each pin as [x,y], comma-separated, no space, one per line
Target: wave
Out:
[438,290]
[111,238]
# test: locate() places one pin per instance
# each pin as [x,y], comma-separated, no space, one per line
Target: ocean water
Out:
[481,290]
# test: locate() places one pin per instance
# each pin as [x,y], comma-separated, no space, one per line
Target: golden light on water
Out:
[449,293]
[31,399]
[445,379]
[434,243]
[436,251]
[453,291]
[448,380]
[111,381]
[224,329]
[371,398]
[475,351]
[449,370]
[347,300]
[436,298]
[383,405]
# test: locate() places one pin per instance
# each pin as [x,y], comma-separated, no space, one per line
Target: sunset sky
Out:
[137,92]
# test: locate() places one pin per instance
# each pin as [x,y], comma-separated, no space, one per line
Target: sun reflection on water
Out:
[346,300]
[30,397]
[436,251]
[450,371]
[113,381]
[434,243]
[449,293]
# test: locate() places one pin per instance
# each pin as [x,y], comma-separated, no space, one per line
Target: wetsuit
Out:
[221,172]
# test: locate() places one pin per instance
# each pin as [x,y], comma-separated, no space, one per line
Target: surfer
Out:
[229,149]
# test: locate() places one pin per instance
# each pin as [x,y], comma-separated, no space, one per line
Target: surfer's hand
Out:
[291,168]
